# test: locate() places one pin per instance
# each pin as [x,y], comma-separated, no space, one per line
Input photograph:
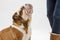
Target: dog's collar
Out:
[21,26]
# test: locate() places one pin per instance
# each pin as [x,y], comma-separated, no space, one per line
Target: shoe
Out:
[54,36]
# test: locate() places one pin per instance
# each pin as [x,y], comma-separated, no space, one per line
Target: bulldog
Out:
[20,28]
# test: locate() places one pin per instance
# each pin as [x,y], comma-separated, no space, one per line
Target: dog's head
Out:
[27,12]
[28,9]
[23,14]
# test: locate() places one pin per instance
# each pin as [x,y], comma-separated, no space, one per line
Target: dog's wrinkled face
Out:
[28,9]
[27,12]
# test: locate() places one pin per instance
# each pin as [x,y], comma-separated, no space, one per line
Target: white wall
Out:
[40,24]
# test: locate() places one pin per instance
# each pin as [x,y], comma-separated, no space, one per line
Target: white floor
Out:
[40,24]
[40,28]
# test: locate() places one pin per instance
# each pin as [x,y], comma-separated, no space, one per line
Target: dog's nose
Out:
[28,5]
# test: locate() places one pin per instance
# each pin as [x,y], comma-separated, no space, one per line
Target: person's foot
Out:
[54,36]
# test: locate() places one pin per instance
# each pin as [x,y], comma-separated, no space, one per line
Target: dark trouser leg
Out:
[53,13]
[50,10]
[56,18]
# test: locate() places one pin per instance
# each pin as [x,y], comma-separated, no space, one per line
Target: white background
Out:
[40,24]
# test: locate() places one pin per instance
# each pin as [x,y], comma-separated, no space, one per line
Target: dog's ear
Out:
[21,11]
[15,16]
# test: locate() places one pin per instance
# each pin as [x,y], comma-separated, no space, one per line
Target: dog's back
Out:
[11,34]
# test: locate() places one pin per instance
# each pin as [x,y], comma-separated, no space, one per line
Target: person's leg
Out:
[56,18]
[53,13]
[50,10]
[55,35]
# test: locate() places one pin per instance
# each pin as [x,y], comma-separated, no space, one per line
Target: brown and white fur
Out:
[20,29]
